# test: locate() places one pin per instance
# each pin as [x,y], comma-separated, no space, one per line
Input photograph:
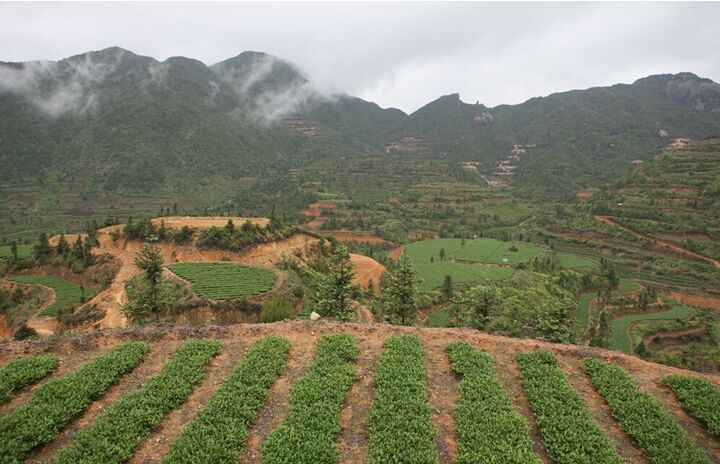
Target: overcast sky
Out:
[401,55]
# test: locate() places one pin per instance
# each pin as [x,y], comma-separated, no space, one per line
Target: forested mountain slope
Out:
[114,133]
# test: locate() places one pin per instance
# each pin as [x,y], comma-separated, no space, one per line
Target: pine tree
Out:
[13,250]
[447,287]
[334,288]
[150,261]
[399,299]
[42,249]
[62,248]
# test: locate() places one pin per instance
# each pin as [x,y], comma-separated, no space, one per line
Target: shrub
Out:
[219,431]
[276,309]
[570,434]
[57,402]
[642,417]
[699,397]
[21,372]
[489,429]
[400,424]
[115,435]
[313,419]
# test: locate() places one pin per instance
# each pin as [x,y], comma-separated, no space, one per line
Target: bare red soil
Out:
[350,237]
[366,270]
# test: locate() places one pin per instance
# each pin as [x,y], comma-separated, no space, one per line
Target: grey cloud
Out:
[56,88]
[396,54]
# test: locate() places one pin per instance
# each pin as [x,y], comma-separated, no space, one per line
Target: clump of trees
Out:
[543,311]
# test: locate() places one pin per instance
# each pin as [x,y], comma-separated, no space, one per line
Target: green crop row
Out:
[219,431]
[489,429]
[223,281]
[313,419]
[400,425]
[57,402]
[67,294]
[642,417]
[699,397]
[114,436]
[570,434]
[21,372]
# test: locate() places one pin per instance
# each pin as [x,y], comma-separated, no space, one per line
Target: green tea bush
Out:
[400,425]
[642,417]
[313,419]
[699,397]
[57,402]
[219,431]
[115,435]
[21,372]
[489,429]
[570,434]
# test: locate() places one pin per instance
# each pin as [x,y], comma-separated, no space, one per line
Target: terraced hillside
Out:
[324,392]
[673,201]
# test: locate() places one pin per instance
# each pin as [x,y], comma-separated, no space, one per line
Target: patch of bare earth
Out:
[443,393]
[263,255]
[366,270]
[351,237]
[206,222]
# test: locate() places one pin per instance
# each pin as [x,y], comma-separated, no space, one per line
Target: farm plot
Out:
[23,251]
[21,372]
[620,327]
[313,418]
[67,294]
[57,402]
[400,425]
[489,429]
[489,250]
[224,281]
[570,434]
[115,435]
[575,261]
[699,397]
[642,417]
[219,431]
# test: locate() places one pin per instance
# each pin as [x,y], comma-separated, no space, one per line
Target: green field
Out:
[67,294]
[620,338]
[582,316]
[223,280]
[573,261]
[431,270]
[23,251]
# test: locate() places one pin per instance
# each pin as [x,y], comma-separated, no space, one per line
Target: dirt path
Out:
[43,325]
[660,243]
[353,438]
[444,394]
